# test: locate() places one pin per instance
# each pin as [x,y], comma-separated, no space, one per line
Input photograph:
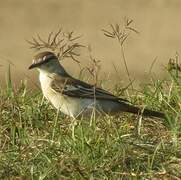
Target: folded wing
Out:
[76,88]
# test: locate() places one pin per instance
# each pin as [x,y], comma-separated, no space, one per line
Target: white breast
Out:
[68,105]
[65,104]
[45,81]
[55,98]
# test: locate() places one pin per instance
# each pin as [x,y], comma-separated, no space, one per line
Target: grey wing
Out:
[76,88]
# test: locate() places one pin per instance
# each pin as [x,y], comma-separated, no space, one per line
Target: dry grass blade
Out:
[114,30]
[124,38]
[94,68]
[49,36]
[56,36]
[121,32]
[75,38]
[132,29]
[108,34]
[63,44]
[128,21]
[117,27]
[41,40]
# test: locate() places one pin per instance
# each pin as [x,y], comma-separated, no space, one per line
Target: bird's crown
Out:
[43,57]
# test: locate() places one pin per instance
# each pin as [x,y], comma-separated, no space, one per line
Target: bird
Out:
[76,98]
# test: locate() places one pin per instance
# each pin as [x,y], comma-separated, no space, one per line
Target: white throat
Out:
[45,80]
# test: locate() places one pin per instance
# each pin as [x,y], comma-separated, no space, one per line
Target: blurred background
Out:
[158,22]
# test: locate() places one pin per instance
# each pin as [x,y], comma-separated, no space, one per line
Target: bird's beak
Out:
[33,66]
[36,64]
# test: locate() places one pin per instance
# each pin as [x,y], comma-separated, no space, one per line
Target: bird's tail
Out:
[144,112]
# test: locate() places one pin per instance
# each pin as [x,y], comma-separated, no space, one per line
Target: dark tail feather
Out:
[144,112]
[147,112]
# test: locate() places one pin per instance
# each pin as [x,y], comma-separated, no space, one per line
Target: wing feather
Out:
[76,88]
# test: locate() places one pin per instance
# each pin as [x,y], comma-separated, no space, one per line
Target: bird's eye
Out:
[46,60]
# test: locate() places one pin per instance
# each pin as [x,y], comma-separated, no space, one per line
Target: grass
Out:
[36,142]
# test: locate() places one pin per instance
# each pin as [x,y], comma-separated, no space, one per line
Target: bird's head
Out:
[47,62]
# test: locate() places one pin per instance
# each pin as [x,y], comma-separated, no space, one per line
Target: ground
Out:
[36,142]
